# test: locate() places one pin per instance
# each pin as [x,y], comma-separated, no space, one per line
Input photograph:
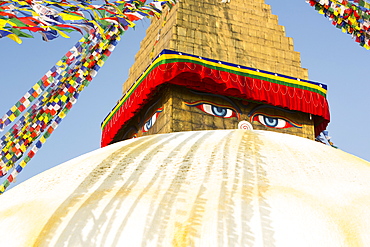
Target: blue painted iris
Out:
[271,121]
[219,111]
[148,124]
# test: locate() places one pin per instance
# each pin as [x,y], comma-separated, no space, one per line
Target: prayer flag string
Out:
[44,116]
[351,16]
[39,112]
[54,18]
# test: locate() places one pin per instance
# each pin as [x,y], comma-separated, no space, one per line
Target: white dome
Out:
[204,188]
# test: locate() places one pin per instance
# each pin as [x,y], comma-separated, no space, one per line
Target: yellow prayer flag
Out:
[2,23]
[42,139]
[60,63]
[22,163]
[63,98]
[14,108]
[62,114]
[102,45]
[12,117]
[100,63]
[70,17]
[352,19]
[14,38]
[8,156]
[36,87]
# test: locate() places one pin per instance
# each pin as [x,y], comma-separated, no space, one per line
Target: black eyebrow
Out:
[268,106]
[219,96]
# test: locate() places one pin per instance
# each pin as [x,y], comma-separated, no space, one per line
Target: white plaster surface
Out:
[204,188]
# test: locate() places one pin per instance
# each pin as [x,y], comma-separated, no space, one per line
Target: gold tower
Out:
[209,65]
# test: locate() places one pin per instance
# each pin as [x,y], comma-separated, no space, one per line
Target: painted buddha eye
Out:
[214,109]
[151,121]
[277,122]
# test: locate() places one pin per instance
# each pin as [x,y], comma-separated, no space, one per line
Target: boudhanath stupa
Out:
[212,144]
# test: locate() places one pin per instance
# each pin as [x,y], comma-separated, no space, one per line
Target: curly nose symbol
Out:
[245,125]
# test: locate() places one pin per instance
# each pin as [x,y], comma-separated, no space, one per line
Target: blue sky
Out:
[330,56]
